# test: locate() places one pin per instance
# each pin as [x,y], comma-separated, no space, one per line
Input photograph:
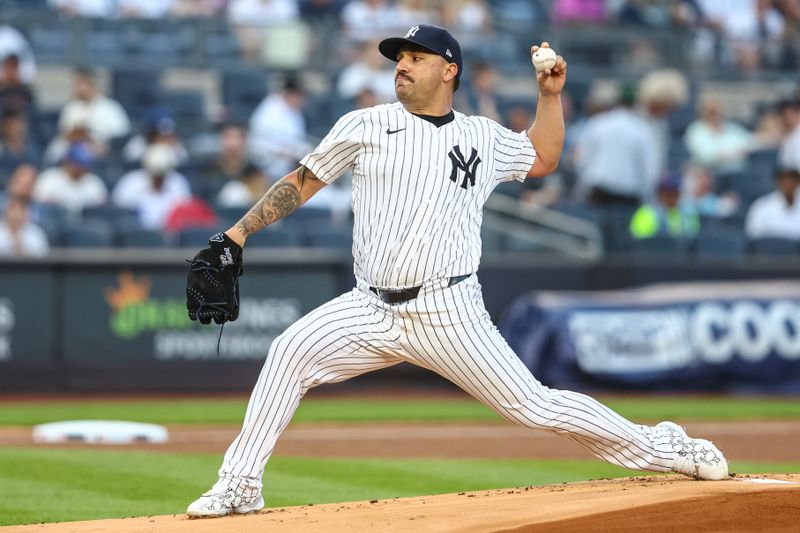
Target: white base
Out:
[100,432]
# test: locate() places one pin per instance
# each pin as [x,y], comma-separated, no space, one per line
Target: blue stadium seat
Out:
[136,89]
[311,216]
[231,215]
[196,237]
[187,108]
[774,246]
[91,234]
[720,245]
[492,240]
[335,237]
[659,246]
[762,164]
[117,217]
[141,238]
[242,91]
[281,235]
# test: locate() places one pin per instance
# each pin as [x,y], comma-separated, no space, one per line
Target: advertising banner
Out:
[27,317]
[732,336]
[123,315]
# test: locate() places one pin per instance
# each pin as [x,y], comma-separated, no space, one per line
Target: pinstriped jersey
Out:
[418,189]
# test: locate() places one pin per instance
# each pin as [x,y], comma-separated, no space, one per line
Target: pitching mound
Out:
[653,504]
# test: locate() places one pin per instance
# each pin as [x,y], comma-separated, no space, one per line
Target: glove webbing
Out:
[217,308]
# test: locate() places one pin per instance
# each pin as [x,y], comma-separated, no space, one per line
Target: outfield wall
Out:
[99,320]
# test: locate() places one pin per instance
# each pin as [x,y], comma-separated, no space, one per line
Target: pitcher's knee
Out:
[537,410]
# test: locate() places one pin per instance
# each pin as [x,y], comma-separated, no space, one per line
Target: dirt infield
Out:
[652,504]
[742,441]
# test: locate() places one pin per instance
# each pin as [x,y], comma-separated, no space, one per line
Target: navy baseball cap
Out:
[433,38]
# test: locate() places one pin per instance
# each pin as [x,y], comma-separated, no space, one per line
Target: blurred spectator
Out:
[660,14]
[233,155]
[366,98]
[192,212]
[661,92]
[578,11]
[746,28]
[105,117]
[15,93]
[158,128]
[369,71]
[367,20]
[616,157]
[777,214]
[85,8]
[251,18]
[469,20]
[698,194]
[16,146]
[246,190]
[18,235]
[197,8]
[716,143]
[789,155]
[278,129]
[480,97]
[12,42]
[73,128]
[21,182]
[71,185]
[149,9]
[153,190]
[411,12]
[666,216]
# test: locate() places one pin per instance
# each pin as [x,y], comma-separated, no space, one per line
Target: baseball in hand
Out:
[544,58]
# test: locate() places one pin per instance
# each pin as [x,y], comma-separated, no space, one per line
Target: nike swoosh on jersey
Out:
[391,131]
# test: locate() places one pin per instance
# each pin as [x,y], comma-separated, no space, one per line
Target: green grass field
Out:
[48,485]
[231,411]
[62,485]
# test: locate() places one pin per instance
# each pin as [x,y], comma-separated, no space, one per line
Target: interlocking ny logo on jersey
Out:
[469,166]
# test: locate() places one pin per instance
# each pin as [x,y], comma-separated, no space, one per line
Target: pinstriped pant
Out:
[446,330]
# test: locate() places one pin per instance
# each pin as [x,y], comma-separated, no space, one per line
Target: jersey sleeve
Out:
[337,152]
[513,154]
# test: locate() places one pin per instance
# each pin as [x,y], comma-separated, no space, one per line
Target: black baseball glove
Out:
[212,286]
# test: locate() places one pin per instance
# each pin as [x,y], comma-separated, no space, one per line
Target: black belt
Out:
[409,293]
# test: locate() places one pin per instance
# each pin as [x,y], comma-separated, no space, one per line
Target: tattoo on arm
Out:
[304,174]
[279,201]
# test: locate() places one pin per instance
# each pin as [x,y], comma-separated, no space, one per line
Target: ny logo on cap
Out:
[412,32]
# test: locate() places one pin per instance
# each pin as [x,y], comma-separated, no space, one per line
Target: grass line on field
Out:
[231,411]
[93,484]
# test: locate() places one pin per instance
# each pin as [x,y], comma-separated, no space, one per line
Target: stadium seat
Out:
[187,108]
[334,237]
[141,238]
[719,245]
[242,91]
[117,217]
[763,164]
[311,216]
[774,246]
[231,215]
[90,234]
[136,89]
[282,235]
[658,246]
[492,240]
[196,237]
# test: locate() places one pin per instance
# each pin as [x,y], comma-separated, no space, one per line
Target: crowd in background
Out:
[633,155]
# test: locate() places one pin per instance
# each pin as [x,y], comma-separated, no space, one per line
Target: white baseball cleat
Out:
[697,458]
[223,500]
